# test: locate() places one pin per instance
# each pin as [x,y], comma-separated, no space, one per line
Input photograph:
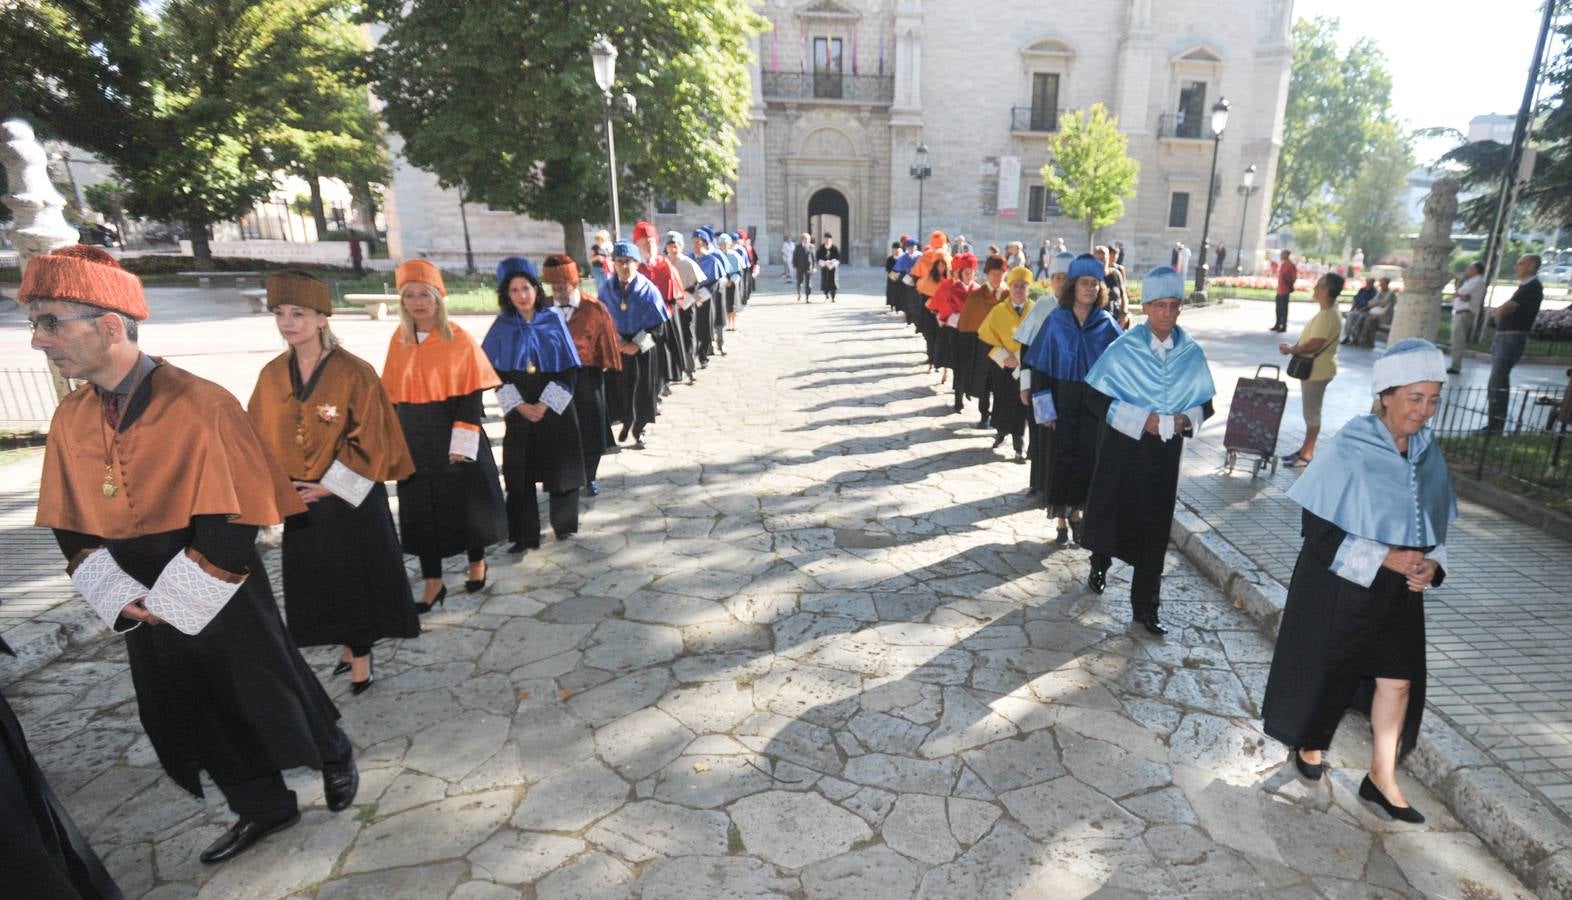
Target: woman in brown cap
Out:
[324,415]
[435,375]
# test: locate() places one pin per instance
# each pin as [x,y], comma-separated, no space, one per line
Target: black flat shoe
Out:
[472,585]
[1150,622]
[1075,531]
[1307,771]
[592,489]
[1097,580]
[1372,794]
[341,668]
[242,835]
[1061,537]
[624,435]
[340,783]
[998,442]
[438,600]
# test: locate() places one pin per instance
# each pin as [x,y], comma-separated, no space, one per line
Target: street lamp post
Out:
[469,251]
[920,171]
[1219,123]
[603,54]
[76,191]
[1245,189]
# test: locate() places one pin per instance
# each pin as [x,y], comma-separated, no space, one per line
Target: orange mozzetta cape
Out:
[595,335]
[435,370]
[925,263]
[979,301]
[347,418]
[948,299]
[191,452]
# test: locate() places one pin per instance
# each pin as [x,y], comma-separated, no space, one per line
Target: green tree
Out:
[1338,103]
[1372,210]
[1089,169]
[512,115]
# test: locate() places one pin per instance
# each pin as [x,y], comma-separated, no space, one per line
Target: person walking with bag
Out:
[1313,360]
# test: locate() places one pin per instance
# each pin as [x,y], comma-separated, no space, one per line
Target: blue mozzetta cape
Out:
[1359,482]
[904,263]
[713,266]
[1067,350]
[1032,323]
[1130,372]
[636,307]
[514,345]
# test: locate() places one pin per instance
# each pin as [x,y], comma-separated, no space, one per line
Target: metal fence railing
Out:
[27,398]
[1523,444]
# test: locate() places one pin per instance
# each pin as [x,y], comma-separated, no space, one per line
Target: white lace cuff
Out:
[105,586]
[1128,419]
[1358,560]
[347,484]
[464,442]
[186,596]
[508,397]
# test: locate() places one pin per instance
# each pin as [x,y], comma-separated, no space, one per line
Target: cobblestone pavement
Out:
[810,644]
[1497,630]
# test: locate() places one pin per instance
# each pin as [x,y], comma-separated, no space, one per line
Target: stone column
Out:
[1418,311]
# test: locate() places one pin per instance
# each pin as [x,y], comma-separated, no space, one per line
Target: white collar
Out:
[1163,345]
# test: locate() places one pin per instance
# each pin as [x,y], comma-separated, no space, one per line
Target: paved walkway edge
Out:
[1521,827]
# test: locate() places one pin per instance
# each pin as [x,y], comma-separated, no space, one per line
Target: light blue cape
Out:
[1130,371]
[1360,483]
[1066,349]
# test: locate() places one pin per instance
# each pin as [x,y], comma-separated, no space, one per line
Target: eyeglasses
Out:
[50,324]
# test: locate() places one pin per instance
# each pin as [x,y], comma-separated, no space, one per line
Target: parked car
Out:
[102,235]
[1557,275]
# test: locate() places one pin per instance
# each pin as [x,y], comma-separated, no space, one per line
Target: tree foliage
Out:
[512,115]
[1372,208]
[198,104]
[1090,170]
[1338,108]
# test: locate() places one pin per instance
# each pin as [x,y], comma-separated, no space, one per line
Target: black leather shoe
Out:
[1307,771]
[1061,537]
[440,599]
[242,835]
[1150,622]
[1098,579]
[1372,794]
[998,441]
[339,784]
[474,585]
[341,668]
[1075,531]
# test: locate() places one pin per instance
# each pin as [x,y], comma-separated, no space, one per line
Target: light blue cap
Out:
[1162,283]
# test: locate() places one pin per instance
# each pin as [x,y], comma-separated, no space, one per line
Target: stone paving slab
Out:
[810,644]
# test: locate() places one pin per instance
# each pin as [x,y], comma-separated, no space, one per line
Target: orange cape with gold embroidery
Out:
[436,369]
[595,334]
[347,418]
[191,452]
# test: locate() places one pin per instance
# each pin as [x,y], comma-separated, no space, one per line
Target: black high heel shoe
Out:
[1372,794]
[472,585]
[438,600]
[1307,771]
[341,668]
[360,687]
[1098,579]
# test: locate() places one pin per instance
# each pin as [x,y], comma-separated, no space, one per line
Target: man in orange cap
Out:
[162,546]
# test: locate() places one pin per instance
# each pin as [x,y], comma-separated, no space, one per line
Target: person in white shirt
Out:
[788,273]
[1466,304]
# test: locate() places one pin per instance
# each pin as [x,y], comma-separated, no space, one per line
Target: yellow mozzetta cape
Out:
[998,329]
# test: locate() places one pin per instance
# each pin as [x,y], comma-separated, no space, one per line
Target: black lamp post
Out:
[1245,189]
[920,171]
[1219,123]
[603,54]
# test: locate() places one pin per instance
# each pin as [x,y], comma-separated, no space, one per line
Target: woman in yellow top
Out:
[323,414]
[1319,339]
[998,332]
[435,375]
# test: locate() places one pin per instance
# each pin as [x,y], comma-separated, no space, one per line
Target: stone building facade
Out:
[844,91]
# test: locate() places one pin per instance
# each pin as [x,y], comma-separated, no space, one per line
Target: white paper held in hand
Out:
[1042,407]
[556,396]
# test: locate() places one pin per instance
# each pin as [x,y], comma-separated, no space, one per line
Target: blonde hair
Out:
[406,322]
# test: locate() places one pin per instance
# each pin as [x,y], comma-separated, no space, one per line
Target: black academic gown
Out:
[1336,638]
[1130,503]
[43,856]
[549,453]
[891,295]
[1069,449]
[827,273]
[447,508]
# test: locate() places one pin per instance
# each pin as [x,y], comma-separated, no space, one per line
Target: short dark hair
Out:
[506,305]
[1334,283]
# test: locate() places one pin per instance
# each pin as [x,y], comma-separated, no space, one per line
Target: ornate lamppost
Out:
[920,171]
[603,54]
[1219,123]
[1246,188]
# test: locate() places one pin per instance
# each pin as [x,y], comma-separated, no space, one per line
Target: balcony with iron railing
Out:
[1180,125]
[1034,119]
[878,89]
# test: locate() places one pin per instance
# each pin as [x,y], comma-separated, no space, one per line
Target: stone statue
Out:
[36,207]
[1418,311]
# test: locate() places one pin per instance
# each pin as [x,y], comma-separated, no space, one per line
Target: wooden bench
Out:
[205,279]
[375,304]
[257,297]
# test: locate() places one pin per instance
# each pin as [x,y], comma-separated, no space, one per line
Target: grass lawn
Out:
[1535,465]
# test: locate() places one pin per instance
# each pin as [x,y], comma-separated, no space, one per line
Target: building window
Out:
[1192,109]
[1036,199]
[827,67]
[1045,101]
[665,206]
[1179,209]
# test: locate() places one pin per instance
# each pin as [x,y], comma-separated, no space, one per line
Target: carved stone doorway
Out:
[829,212]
